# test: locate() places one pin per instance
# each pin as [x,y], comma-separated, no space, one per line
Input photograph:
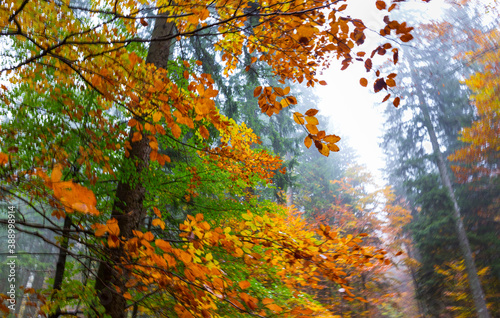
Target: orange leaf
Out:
[380,5]
[56,173]
[257,91]
[137,136]
[158,222]
[342,7]
[3,158]
[266,301]
[176,131]
[204,132]
[331,138]
[333,147]
[244,284]
[132,122]
[308,141]
[101,231]
[274,307]
[363,82]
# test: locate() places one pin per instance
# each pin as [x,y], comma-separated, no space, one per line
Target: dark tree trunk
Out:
[128,208]
[61,263]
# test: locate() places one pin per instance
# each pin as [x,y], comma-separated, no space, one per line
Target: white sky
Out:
[355,111]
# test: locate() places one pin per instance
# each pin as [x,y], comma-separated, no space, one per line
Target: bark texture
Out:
[128,208]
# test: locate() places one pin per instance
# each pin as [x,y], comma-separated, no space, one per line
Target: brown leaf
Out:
[407,37]
[368,65]
[395,56]
[312,112]
[379,85]
[292,100]
[396,101]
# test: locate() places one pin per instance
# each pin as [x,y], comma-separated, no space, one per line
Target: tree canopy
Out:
[112,136]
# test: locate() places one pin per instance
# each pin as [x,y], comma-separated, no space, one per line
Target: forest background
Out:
[163,190]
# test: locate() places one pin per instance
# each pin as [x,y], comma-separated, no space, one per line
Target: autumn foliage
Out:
[81,98]
[479,158]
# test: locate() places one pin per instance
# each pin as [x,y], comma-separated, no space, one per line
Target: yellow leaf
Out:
[284,103]
[312,129]
[324,150]
[247,216]
[299,118]
[312,120]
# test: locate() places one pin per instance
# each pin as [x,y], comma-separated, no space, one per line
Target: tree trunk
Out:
[61,263]
[128,208]
[473,278]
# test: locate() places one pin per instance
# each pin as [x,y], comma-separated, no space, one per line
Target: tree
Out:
[86,71]
[429,94]
[480,157]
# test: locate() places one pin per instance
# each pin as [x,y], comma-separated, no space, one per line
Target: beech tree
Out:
[97,114]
